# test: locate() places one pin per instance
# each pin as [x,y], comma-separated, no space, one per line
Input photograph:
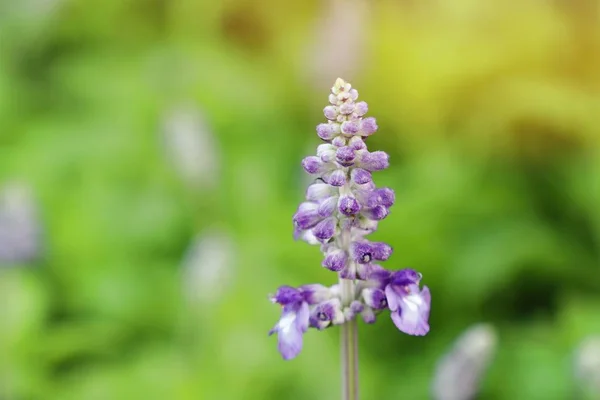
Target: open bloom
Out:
[293,321]
[409,305]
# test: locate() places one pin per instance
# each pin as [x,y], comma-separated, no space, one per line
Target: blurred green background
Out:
[160,143]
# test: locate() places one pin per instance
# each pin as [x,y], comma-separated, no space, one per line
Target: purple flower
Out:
[293,321]
[409,305]
[360,176]
[314,165]
[327,206]
[345,156]
[325,229]
[374,298]
[327,313]
[374,161]
[363,252]
[350,128]
[335,178]
[326,131]
[348,205]
[343,205]
[377,213]
[307,215]
[335,259]
[357,143]
[361,108]
[330,112]
[368,126]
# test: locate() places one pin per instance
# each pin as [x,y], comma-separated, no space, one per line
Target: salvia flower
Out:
[342,206]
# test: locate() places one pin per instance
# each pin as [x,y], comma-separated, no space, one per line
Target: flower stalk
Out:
[343,206]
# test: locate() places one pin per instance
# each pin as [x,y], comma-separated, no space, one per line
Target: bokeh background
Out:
[150,165]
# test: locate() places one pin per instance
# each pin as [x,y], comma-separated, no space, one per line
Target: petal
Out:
[361,176]
[376,213]
[325,229]
[326,131]
[409,323]
[368,126]
[287,295]
[289,343]
[374,161]
[412,316]
[335,178]
[327,206]
[302,317]
[348,205]
[374,298]
[392,298]
[335,260]
[361,108]
[306,217]
[345,156]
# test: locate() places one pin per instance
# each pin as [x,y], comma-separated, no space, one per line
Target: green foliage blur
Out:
[490,112]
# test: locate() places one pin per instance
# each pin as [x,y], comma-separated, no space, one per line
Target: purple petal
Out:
[307,216]
[376,213]
[302,317]
[347,108]
[364,252]
[374,161]
[289,334]
[330,112]
[381,251]
[412,314]
[360,176]
[368,126]
[392,298]
[357,307]
[339,141]
[326,131]
[325,229]
[335,260]
[361,108]
[361,252]
[379,276]
[287,295]
[357,143]
[406,277]
[336,178]
[313,165]
[348,205]
[381,197]
[350,128]
[327,206]
[345,156]
[374,298]
[327,313]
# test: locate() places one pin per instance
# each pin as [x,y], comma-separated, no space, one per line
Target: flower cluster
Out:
[343,205]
